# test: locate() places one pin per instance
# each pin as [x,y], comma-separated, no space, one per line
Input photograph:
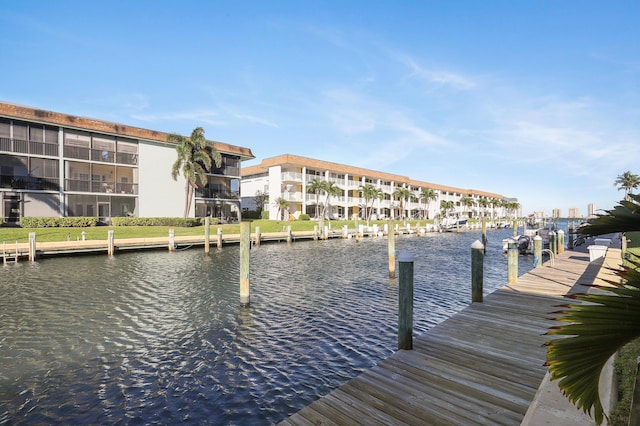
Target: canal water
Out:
[158,337]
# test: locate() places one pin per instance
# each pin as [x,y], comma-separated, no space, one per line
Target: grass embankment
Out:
[11,235]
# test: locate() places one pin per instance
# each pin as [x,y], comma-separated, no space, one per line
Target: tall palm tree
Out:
[315,186]
[602,324]
[466,203]
[627,181]
[370,193]
[494,202]
[446,207]
[281,204]
[484,203]
[195,158]
[331,190]
[403,194]
[427,195]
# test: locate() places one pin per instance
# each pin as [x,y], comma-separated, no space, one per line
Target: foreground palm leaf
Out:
[601,324]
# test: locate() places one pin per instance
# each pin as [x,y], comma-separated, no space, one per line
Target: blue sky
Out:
[538,100]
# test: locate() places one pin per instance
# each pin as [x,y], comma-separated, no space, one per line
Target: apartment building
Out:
[288,176]
[55,164]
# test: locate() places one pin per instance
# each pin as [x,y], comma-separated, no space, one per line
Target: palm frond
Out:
[593,331]
[623,218]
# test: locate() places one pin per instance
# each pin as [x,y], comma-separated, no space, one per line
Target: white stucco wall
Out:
[160,195]
[248,188]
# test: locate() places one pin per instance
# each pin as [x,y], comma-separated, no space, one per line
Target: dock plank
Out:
[481,366]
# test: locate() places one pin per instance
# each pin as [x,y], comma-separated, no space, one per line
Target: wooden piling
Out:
[207,235]
[110,243]
[315,232]
[172,240]
[392,251]
[512,260]
[572,231]
[245,243]
[560,243]
[219,238]
[405,301]
[537,251]
[484,233]
[477,271]
[257,237]
[552,242]
[289,235]
[32,246]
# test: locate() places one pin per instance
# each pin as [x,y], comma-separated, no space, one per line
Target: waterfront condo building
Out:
[55,164]
[286,178]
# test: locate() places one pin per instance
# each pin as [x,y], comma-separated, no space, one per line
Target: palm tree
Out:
[282,205]
[627,181]
[331,190]
[403,194]
[494,203]
[602,323]
[195,158]
[316,186]
[466,203]
[446,206]
[484,203]
[370,193]
[427,195]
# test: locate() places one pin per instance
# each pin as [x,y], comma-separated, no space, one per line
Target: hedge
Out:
[160,221]
[58,222]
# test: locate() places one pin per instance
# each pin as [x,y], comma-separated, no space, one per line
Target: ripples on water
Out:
[157,337]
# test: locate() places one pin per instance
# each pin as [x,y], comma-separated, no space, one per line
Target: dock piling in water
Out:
[477,271]
[172,240]
[207,235]
[392,251]
[405,301]
[537,251]
[219,238]
[32,246]
[512,261]
[245,243]
[110,243]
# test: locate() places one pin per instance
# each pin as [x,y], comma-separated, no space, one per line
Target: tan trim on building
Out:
[298,161]
[66,120]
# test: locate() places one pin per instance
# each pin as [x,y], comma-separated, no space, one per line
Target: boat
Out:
[450,224]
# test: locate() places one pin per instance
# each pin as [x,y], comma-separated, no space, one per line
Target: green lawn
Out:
[11,235]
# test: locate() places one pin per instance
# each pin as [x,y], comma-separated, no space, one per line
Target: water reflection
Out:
[160,337]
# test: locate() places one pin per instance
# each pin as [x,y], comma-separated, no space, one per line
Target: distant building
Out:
[574,212]
[555,213]
[286,177]
[591,211]
[55,164]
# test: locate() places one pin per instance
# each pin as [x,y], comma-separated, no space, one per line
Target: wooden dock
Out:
[482,366]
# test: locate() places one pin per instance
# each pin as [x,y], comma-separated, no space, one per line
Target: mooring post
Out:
[207,235]
[110,243]
[326,233]
[245,242]
[537,251]
[572,231]
[484,233]
[289,235]
[219,238]
[560,241]
[315,232]
[32,246]
[515,228]
[512,261]
[405,300]
[345,232]
[552,242]
[392,251]
[172,240]
[477,271]
[258,236]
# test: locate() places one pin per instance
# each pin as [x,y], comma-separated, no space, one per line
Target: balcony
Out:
[78,185]
[217,195]
[28,147]
[29,182]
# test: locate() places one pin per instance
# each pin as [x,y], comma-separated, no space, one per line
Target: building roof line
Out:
[296,160]
[84,123]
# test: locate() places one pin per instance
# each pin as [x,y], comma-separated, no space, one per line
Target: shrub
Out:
[58,222]
[264,214]
[158,221]
[304,216]
[251,214]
